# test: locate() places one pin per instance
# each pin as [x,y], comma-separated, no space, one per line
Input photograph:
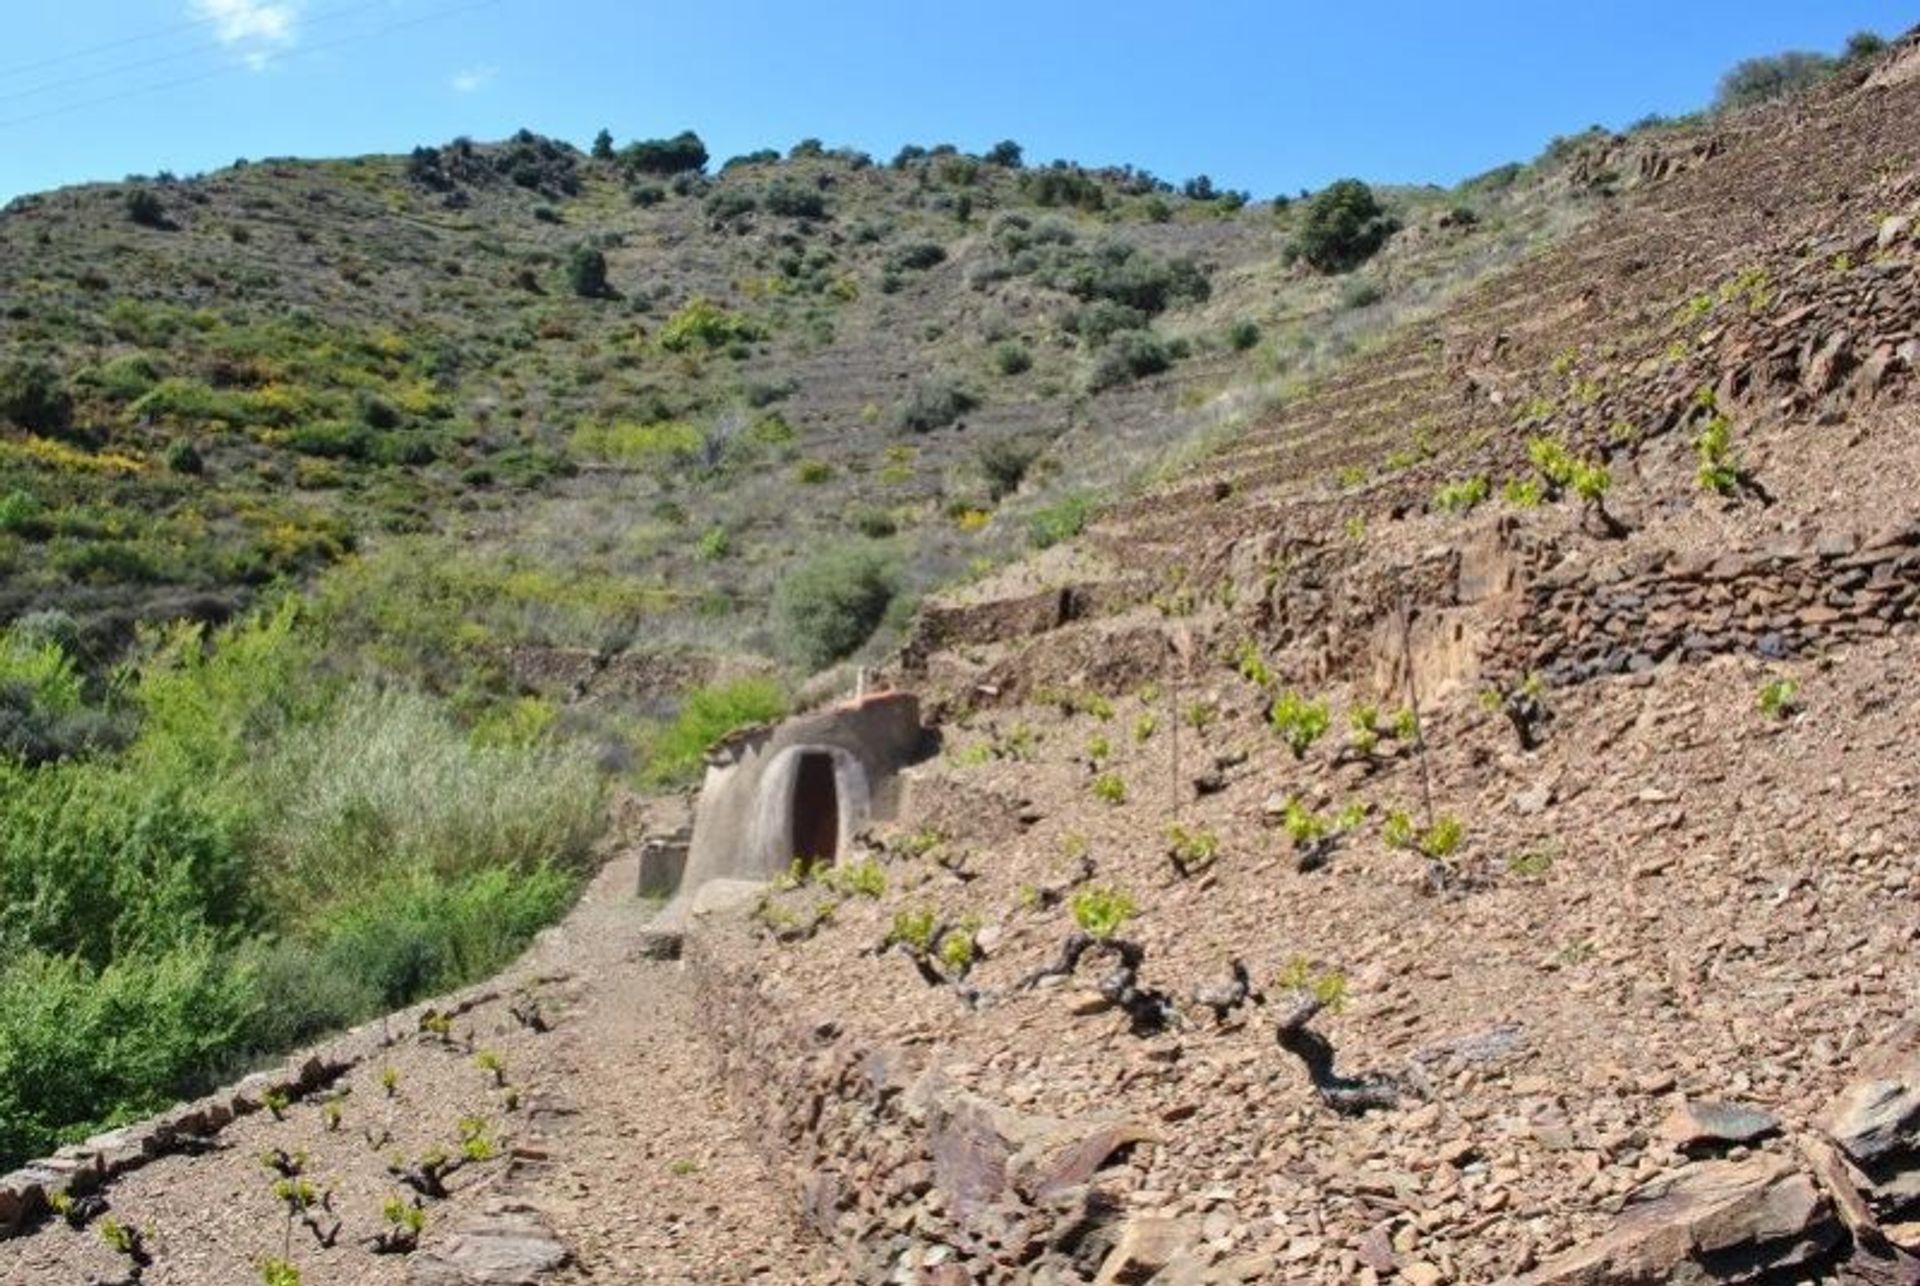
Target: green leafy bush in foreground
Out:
[275,853]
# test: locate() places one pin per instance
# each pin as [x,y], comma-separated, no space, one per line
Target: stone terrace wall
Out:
[897,1167]
[1786,600]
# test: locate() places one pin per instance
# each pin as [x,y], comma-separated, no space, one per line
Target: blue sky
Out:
[1272,96]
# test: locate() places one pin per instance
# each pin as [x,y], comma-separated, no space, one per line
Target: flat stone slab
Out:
[509,1246]
[1701,1125]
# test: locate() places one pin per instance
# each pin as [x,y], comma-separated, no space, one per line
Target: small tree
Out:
[1344,226]
[603,146]
[1005,153]
[587,273]
[834,603]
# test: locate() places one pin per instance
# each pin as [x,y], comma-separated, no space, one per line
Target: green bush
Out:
[791,200]
[934,404]
[833,603]
[672,755]
[144,208]
[587,272]
[1243,335]
[1344,226]
[1060,521]
[1133,355]
[1759,80]
[275,853]
[916,256]
[85,1047]
[703,322]
[1012,358]
[684,153]
[1101,320]
[724,205]
[33,396]
[1004,464]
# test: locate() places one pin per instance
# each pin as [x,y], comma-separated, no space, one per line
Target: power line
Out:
[307,51]
[89,50]
[192,51]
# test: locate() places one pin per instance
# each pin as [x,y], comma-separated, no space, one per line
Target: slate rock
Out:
[1725,1221]
[510,1246]
[1699,1125]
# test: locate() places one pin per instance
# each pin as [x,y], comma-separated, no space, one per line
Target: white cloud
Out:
[473,79]
[254,29]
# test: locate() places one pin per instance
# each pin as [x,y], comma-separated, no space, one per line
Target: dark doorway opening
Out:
[816,811]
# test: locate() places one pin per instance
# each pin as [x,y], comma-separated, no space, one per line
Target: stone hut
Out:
[802,788]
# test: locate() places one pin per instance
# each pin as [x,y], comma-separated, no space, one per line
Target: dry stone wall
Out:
[904,1172]
[1788,600]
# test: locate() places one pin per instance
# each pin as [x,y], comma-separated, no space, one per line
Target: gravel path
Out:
[606,1139]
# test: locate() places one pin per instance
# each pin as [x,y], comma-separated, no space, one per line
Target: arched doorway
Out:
[816,810]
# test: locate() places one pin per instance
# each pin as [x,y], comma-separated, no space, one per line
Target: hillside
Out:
[368,526]
[293,361]
[1443,816]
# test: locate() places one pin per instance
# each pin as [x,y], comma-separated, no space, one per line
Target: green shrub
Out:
[1344,226]
[1101,320]
[1360,294]
[1133,355]
[33,396]
[1758,80]
[682,154]
[791,200]
[673,755]
[703,322]
[83,1048]
[1012,358]
[144,208]
[1243,335]
[1062,520]
[725,204]
[1004,464]
[934,404]
[587,272]
[831,604]
[183,457]
[916,256]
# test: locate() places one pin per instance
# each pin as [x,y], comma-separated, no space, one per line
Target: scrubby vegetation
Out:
[276,851]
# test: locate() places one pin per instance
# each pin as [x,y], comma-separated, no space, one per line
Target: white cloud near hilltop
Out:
[473,79]
[254,29]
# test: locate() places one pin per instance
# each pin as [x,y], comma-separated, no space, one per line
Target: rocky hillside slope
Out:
[1459,831]
[1519,715]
